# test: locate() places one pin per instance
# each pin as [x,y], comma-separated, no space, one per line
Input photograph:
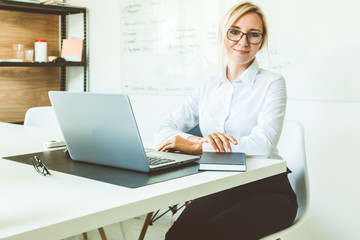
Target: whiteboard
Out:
[169,46]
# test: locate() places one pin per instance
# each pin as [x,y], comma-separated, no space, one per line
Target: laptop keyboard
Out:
[153,161]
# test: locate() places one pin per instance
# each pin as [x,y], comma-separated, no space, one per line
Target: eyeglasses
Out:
[252,37]
[39,166]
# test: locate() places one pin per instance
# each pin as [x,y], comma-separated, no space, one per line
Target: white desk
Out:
[62,205]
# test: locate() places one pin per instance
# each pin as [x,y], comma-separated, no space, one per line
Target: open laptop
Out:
[101,128]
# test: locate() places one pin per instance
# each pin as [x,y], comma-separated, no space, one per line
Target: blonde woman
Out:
[242,110]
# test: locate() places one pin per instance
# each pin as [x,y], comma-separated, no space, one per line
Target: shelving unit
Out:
[62,11]
[25,84]
[37,64]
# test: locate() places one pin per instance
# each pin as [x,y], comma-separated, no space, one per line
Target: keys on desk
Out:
[153,161]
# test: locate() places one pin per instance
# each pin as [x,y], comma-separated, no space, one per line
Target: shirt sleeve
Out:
[264,137]
[180,120]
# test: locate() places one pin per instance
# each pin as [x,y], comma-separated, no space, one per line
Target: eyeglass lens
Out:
[252,37]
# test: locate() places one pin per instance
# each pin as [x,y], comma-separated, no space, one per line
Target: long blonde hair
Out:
[229,18]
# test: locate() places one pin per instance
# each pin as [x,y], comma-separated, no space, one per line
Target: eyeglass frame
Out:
[39,163]
[246,34]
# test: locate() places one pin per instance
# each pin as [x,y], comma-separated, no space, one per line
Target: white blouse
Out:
[251,109]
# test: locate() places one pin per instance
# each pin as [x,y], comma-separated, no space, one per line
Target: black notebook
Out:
[233,161]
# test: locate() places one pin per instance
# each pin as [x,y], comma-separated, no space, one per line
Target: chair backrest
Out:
[291,147]
[41,117]
[195,131]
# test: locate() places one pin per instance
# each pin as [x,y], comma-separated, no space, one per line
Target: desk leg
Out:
[146,225]
[102,233]
[85,237]
[126,230]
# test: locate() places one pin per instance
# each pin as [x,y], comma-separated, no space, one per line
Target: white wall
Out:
[331,129]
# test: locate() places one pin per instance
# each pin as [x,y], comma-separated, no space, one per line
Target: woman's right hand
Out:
[220,142]
[180,144]
[196,139]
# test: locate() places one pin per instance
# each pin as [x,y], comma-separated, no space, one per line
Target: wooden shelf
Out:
[45,64]
[26,84]
[39,8]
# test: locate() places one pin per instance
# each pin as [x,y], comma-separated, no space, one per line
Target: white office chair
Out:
[41,117]
[292,148]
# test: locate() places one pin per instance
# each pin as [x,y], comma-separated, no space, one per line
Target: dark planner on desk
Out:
[228,161]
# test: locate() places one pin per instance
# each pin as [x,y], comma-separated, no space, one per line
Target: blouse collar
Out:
[248,76]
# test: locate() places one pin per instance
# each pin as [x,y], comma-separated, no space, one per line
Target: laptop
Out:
[100,128]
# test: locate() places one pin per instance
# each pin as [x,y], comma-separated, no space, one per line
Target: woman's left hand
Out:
[183,145]
[220,142]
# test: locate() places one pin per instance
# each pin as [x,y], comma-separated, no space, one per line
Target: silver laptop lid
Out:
[100,128]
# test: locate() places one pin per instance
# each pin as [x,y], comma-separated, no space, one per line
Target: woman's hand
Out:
[189,146]
[220,140]
[196,139]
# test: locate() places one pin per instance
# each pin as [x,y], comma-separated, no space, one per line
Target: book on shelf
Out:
[227,161]
[72,50]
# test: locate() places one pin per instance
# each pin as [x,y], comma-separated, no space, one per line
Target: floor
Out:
[155,232]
